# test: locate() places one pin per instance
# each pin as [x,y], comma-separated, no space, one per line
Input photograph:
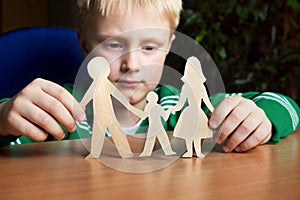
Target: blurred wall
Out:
[19,13]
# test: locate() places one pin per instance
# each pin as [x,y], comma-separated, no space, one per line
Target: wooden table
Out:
[58,170]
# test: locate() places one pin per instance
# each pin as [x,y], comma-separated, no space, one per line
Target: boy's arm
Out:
[251,130]
[282,111]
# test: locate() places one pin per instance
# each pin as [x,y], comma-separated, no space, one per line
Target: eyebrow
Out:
[103,37]
[147,39]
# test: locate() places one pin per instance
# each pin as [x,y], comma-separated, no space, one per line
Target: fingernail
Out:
[81,117]
[225,149]
[219,141]
[237,149]
[73,129]
[63,136]
[213,124]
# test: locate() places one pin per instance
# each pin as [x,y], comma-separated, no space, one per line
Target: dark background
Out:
[255,44]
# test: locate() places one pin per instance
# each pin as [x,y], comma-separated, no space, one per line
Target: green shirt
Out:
[281,110]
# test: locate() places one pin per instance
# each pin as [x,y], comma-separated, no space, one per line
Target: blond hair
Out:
[169,8]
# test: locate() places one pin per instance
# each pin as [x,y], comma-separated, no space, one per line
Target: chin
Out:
[137,99]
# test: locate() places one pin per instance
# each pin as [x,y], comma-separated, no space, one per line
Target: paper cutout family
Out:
[192,125]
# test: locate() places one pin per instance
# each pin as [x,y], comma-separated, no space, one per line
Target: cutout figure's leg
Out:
[121,142]
[97,141]
[189,147]
[197,146]
[89,156]
[165,143]
[148,147]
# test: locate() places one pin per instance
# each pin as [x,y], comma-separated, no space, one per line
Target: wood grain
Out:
[58,170]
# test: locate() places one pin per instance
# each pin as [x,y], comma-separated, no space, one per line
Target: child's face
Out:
[135,45]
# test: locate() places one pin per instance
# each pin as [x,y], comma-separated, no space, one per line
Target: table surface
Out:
[58,170]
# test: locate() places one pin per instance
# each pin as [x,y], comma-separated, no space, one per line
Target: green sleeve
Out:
[4,141]
[282,111]
[2,100]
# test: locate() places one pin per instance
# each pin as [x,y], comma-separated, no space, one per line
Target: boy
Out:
[248,120]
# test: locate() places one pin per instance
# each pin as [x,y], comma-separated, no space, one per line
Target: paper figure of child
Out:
[192,124]
[155,129]
[104,118]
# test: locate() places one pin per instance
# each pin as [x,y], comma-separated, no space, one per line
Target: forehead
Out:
[116,23]
[137,36]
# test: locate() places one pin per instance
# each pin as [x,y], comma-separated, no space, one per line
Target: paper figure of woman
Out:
[192,124]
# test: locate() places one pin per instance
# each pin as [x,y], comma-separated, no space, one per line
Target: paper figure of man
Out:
[192,124]
[155,129]
[101,90]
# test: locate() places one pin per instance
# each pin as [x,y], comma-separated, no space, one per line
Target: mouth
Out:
[128,83]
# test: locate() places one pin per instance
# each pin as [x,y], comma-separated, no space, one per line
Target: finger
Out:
[260,136]
[65,98]
[237,117]
[42,119]
[222,110]
[24,127]
[245,129]
[56,109]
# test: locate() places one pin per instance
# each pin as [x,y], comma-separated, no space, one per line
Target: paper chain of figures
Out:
[192,125]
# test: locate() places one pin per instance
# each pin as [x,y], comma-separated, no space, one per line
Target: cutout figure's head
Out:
[98,67]
[193,72]
[152,97]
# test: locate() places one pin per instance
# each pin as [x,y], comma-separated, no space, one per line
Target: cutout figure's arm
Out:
[207,101]
[122,99]
[181,101]
[147,110]
[87,96]
[165,114]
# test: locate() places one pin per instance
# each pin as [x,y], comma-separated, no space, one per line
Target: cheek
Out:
[114,72]
[153,74]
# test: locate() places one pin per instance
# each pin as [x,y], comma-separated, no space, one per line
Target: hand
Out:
[82,105]
[140,113]
[36,110]
[243,123]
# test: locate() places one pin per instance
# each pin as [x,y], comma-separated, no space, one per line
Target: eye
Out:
[113,45]
[149,48]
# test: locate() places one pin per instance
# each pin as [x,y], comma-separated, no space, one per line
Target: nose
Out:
[130,61]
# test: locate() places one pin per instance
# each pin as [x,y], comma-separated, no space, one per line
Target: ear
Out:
[172,38]
[82,42]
